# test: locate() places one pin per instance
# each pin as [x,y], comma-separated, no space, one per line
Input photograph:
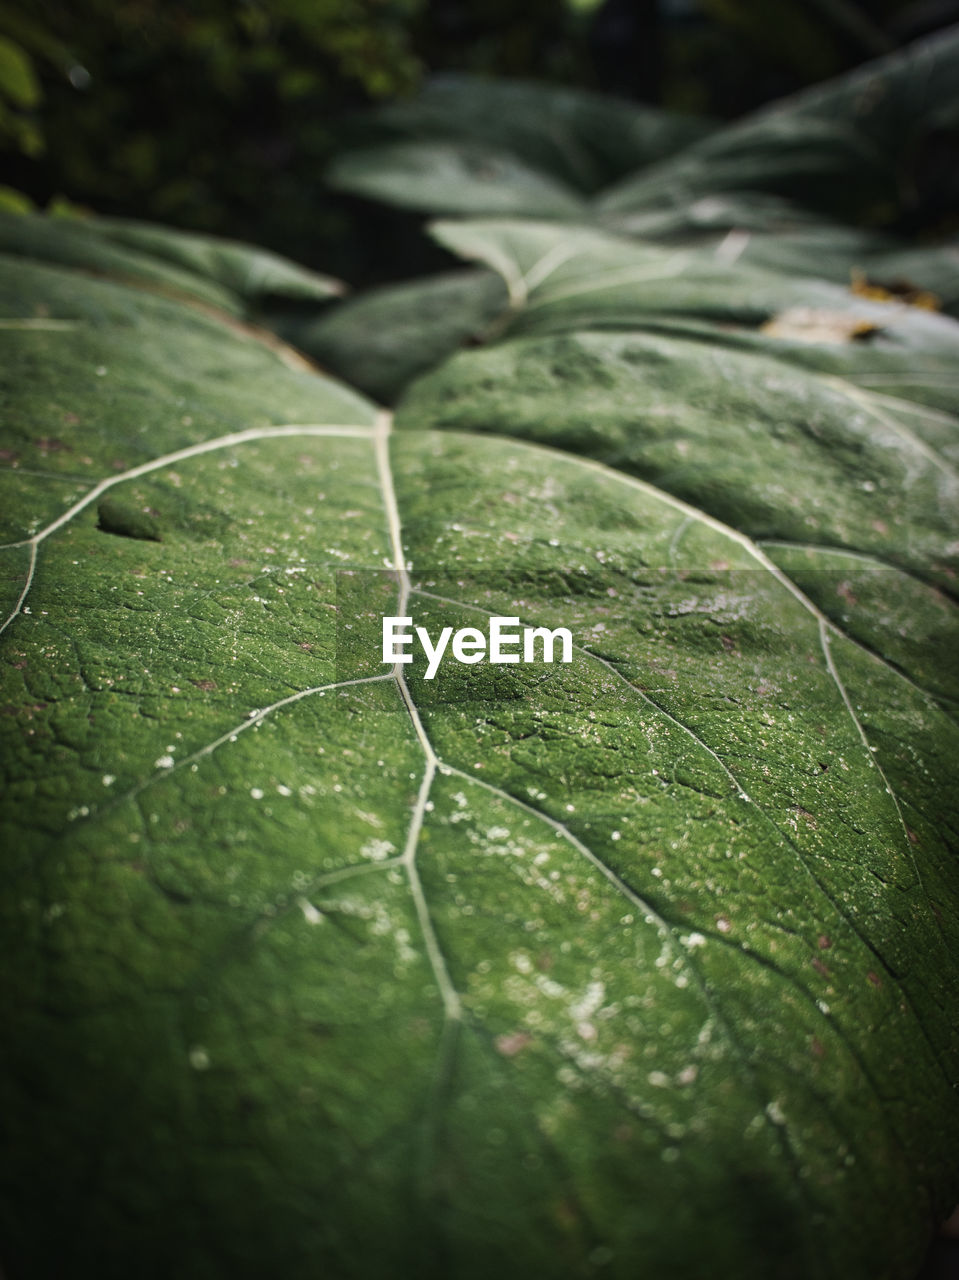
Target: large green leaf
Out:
[253,274]
[777,452]
[857,145]
[586,140]
[209,269]
[448,177]
[641,964]
[563,279]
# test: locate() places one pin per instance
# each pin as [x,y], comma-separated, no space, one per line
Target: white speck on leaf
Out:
[310,913]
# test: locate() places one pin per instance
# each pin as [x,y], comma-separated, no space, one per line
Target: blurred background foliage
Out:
[221,115]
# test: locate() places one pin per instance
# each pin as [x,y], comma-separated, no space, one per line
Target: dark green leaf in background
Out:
[586,140]
[454,178]
[382,340]
[868,145]
[855,144]
[225,274]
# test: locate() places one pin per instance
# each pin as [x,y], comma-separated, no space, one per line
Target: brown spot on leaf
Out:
[206,685]
[825,942]
[898,290]
[818,965]
[874,978]
[818,325]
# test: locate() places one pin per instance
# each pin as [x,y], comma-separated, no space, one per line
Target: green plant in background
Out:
[855,148]
[22,45]
[190,113]
[19,93]
[785,190]
[222,117]
[646,963]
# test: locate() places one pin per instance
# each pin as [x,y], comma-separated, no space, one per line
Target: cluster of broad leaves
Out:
[645,964]
[821,184]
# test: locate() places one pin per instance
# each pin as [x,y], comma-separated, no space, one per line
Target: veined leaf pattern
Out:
[644,961]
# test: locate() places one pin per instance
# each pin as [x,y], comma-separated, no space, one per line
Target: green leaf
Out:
[854,145]
[564,279]
[723,211]
[383,339]
[18,78]
[826,251]
[779,453]
[925,276]
[641,964]
[219,272]
[558,275]
[449,177]
[13,201]
[584,139]
[253,274]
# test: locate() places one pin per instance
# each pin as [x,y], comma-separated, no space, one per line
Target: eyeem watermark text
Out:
[502,644]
